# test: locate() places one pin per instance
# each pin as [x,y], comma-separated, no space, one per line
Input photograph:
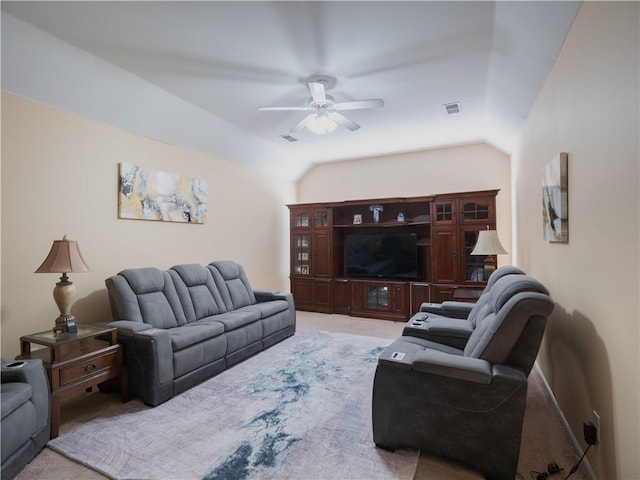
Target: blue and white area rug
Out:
[298,410]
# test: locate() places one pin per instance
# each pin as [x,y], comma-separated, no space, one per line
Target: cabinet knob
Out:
[90,367]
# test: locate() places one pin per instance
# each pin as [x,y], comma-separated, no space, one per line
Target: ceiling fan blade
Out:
[301,124]
[284,108]
[317,92]
[344,121]
[357,104]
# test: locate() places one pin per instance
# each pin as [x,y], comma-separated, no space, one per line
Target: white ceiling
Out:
[228,58]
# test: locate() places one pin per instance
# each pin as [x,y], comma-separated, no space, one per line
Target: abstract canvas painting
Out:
[555,200]
[154,195]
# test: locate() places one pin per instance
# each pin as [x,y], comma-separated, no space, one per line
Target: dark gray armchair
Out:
[25,413]
[467,405]
[452,323]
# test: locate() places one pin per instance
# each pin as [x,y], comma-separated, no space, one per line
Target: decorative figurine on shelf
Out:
[400,217]
[376,209]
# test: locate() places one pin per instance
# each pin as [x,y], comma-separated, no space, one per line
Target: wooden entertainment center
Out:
[444,228]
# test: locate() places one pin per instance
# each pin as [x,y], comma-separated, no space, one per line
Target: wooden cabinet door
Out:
[477,210]
[443,294]
[302,290]
[399,298]
[301,218]
[357,296]
[321,218]
[445,262]
[420,293]
[321,254]
[341,296]
[445,212]
[321,292]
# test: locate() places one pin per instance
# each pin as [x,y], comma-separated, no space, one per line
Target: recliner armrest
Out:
[32,372]
[449,327]
[449,309]
[454,366]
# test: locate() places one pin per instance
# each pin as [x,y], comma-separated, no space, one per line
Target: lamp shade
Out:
[64,257]
[488,244]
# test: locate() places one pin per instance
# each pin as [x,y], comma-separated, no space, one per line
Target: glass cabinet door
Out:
[377,298]
[477,210]
[321,218]
[301,254]
[473,266]
[444,212]
[302,220]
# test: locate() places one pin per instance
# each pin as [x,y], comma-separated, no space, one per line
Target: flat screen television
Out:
[387,255]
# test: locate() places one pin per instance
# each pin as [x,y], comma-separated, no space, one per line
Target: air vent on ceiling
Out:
[289,138]
[452,108]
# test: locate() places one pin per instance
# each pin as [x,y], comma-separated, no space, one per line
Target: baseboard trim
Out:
[573,438]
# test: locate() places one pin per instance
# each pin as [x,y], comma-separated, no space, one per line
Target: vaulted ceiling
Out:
[229,58]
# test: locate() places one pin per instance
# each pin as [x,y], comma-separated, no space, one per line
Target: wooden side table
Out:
[76,363]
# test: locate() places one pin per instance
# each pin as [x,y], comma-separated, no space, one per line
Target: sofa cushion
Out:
[233,284]
[187,335]
[235,319]
[270,308]
[14,394]
[145,295]
[198,293]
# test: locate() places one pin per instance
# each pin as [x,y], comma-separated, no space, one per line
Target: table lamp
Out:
[488,244]
[64,258]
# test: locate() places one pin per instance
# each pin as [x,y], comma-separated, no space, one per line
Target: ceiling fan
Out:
[325,113]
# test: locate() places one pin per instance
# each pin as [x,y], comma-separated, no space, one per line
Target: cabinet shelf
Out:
[382,224]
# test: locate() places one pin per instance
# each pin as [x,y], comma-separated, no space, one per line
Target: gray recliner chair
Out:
[467,405]
[452,322]
[25,425]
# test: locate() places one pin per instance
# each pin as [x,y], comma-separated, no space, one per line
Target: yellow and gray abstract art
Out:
[153,195]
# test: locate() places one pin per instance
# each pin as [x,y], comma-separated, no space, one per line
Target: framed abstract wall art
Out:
[555,200]
[154,195]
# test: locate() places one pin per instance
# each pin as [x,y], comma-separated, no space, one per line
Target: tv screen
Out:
[382,255]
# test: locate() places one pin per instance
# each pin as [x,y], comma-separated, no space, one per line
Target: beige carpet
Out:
[545,438]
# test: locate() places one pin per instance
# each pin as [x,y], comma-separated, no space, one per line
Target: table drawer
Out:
[89,367]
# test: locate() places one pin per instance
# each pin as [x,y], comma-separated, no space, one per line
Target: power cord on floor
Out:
[575,467]
[590,436]
[551,469]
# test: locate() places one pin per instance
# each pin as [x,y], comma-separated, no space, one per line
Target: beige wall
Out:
[589,108]
[455,169]
[59,176]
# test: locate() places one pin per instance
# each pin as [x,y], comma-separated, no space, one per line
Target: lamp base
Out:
[65,324]
[489,267]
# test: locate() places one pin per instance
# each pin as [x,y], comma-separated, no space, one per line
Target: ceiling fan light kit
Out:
[321,124]
[325,116]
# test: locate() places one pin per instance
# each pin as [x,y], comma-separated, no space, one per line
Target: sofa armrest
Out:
[268,295]
[148,355]
[129,328]
[449,309]
[154,351]
[443,364]
[31,372]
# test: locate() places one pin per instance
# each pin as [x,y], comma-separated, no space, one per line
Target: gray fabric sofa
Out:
[465,404]
[25,413]
[181,326]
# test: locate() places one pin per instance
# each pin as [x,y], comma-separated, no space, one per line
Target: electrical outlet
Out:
[596,423]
